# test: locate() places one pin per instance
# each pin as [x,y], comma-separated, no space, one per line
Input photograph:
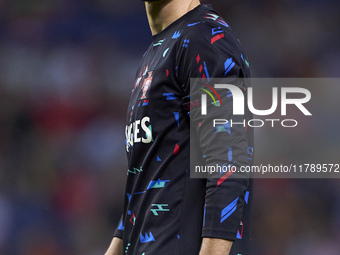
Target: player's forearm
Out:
[116,247]
[215,246]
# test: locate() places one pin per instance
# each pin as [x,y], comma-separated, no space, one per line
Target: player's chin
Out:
[152,1]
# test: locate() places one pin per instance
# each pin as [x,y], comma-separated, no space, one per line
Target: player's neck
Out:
[161,14]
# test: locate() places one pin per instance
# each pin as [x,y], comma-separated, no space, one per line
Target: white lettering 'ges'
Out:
[132,132]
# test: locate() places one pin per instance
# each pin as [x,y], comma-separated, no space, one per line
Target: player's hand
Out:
[116,247]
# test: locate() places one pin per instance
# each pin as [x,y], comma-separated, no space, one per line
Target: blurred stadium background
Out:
[66,71]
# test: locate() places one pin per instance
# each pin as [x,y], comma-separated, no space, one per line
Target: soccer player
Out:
[165,211]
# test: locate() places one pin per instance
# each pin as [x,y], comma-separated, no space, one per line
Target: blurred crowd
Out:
[66,71]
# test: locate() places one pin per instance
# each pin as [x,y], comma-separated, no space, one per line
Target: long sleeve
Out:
[119,230]
[216,53]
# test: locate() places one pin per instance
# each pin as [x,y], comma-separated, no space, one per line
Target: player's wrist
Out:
[116,247]
[215,246]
